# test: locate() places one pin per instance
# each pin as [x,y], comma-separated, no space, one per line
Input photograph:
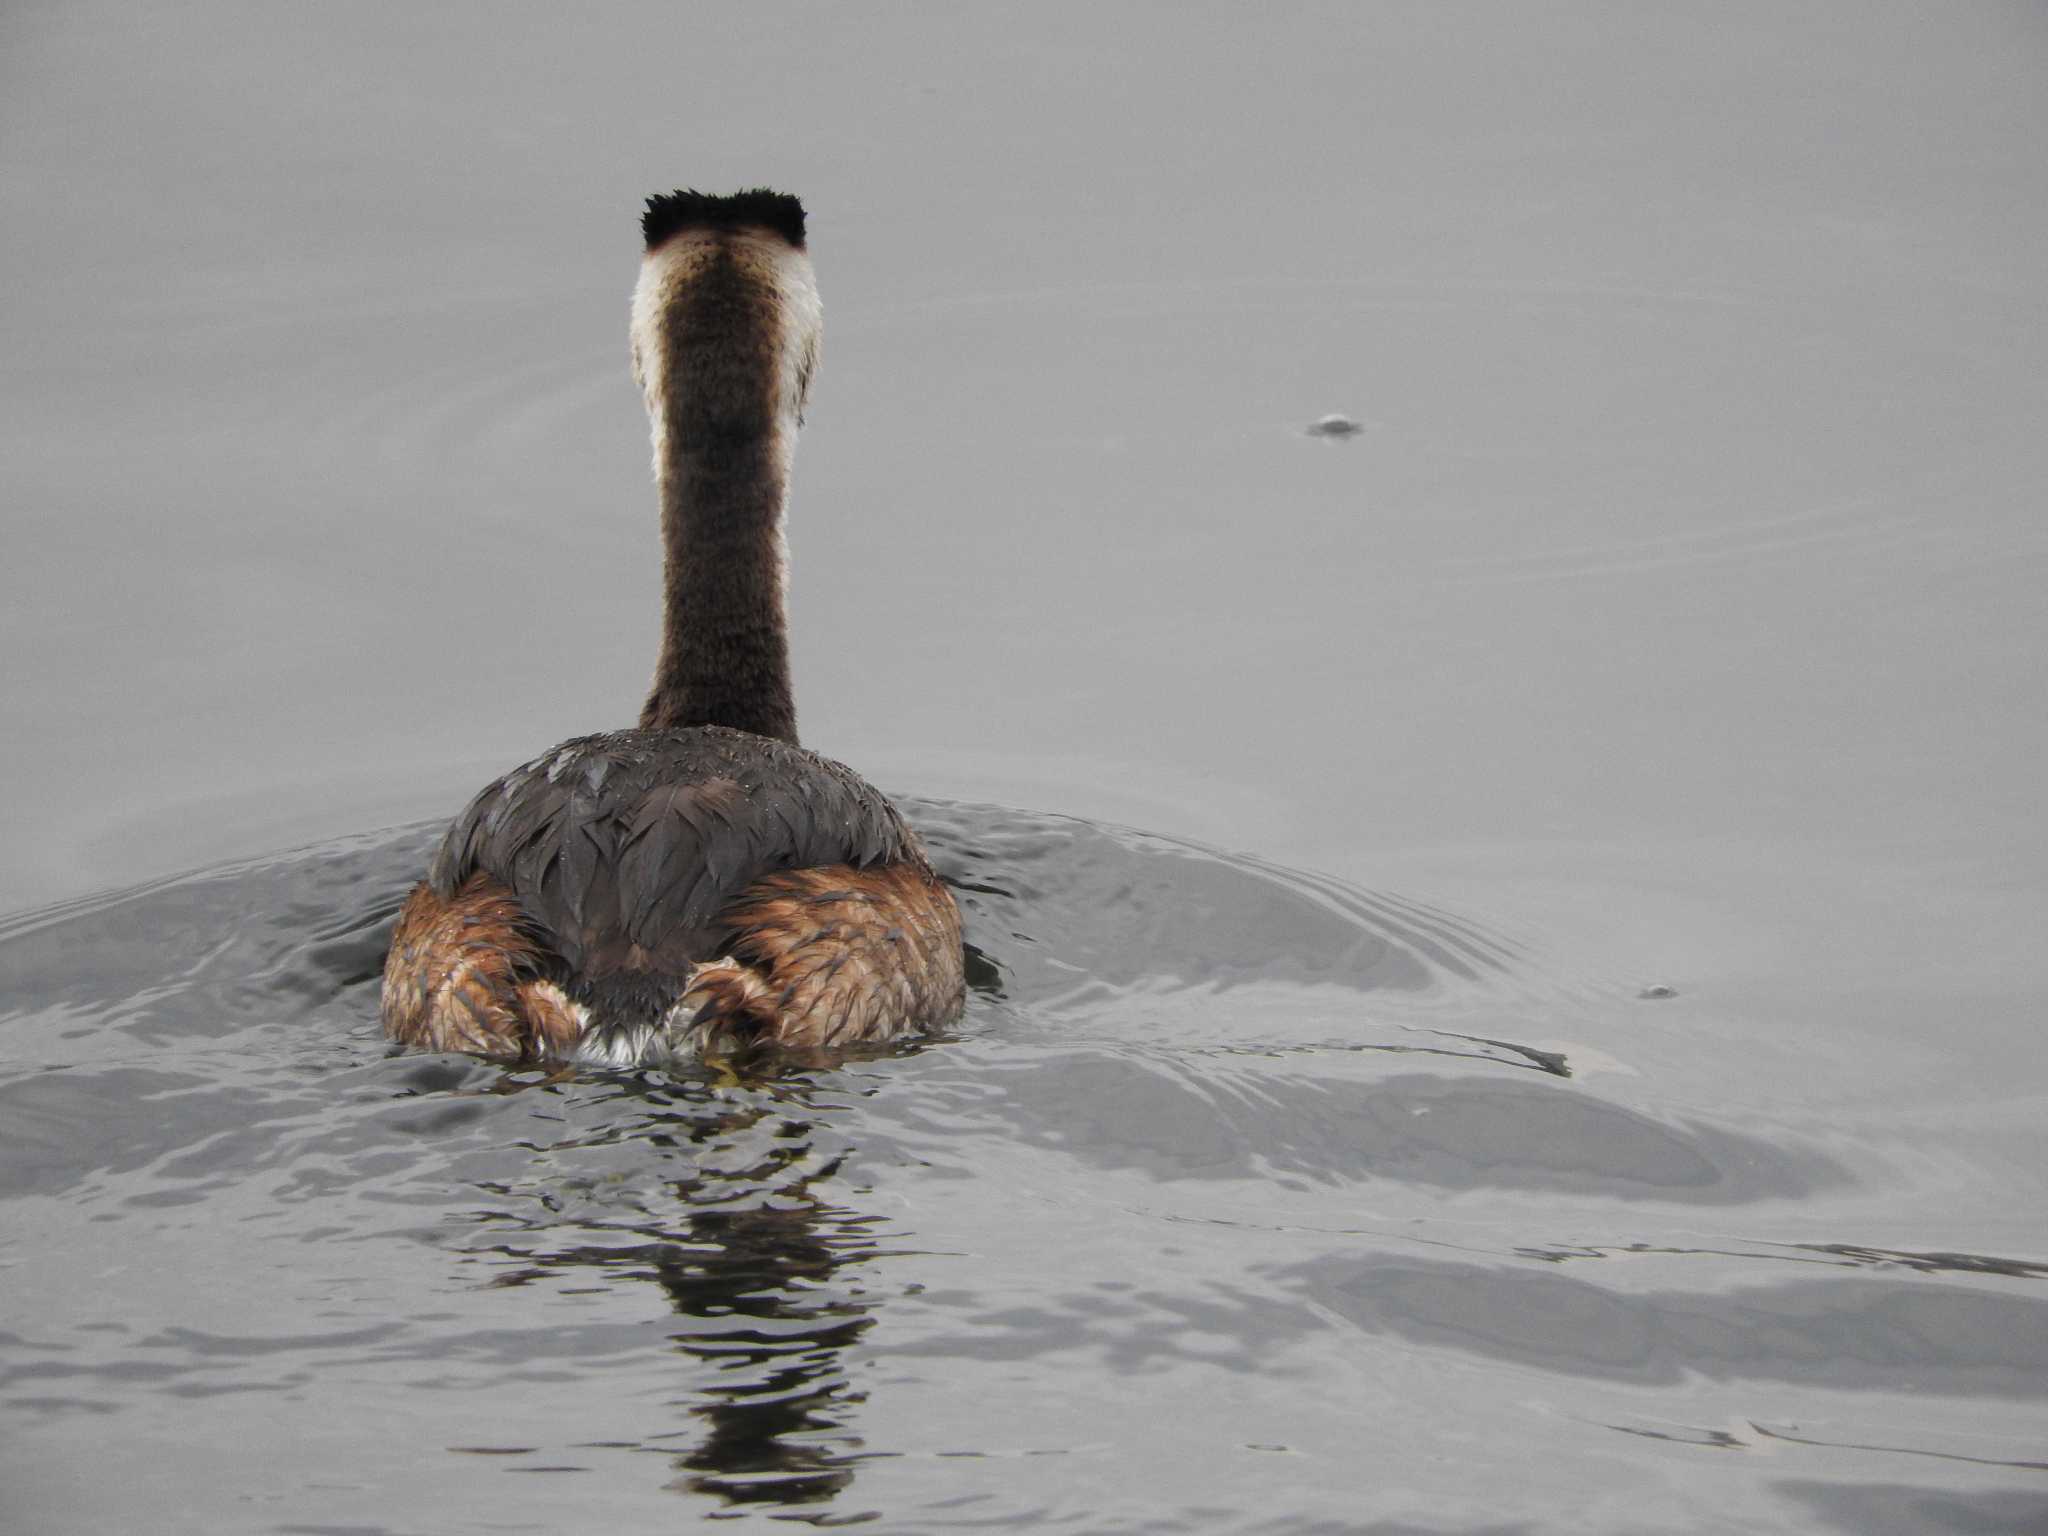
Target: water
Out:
[1241,1200]
[1610,1097]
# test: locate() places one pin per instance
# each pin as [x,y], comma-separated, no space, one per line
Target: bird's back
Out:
[619,867]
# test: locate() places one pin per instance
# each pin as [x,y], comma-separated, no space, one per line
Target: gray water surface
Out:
[1278,1225]
[1600,1091]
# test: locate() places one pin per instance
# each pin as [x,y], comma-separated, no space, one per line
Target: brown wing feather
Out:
[840,954]
[816,958]
[452,980]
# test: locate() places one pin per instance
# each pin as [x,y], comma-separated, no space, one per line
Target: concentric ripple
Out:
[1228,1166]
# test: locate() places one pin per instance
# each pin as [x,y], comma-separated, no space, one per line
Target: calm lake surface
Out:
[1509,976]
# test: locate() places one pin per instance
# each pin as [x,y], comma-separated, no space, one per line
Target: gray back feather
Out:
[636,840]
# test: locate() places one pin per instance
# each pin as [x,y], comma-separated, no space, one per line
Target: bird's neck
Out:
[725,638]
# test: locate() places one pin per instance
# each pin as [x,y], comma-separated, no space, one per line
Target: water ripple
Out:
[1283,1153]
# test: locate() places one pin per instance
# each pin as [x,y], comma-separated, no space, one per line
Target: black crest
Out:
[669,213]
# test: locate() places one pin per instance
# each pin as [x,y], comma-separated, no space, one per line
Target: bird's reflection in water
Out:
[755,1288]
[750,1254]
[713,1187]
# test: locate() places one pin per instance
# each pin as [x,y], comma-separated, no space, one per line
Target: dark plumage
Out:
[702,882]
[725,658]
[626,848]
[669,213]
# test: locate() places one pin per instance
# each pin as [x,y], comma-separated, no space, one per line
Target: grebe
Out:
[702,883]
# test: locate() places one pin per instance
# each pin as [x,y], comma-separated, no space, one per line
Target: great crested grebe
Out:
[702,883]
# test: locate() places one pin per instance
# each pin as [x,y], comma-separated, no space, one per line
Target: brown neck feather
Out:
[723,475]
